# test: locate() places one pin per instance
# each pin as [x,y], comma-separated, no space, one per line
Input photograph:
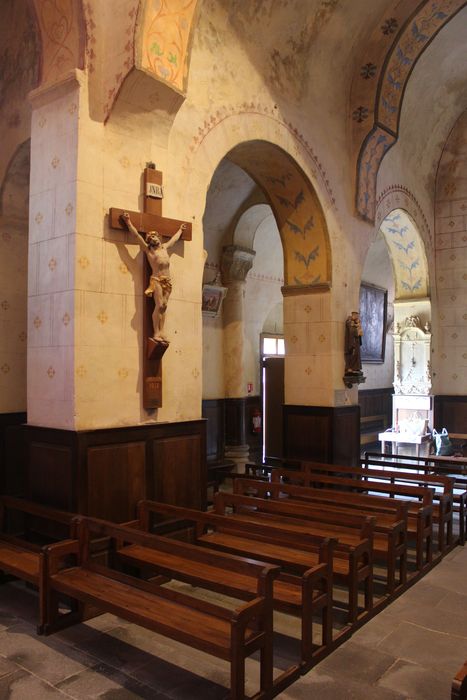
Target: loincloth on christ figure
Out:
[164,281]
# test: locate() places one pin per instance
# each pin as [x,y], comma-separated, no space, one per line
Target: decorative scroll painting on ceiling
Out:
[62,33]
[166,42]
[384,99]
[297,210]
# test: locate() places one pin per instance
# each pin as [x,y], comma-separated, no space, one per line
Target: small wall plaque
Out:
[154,190]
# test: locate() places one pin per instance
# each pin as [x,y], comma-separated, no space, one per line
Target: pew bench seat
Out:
[231,632]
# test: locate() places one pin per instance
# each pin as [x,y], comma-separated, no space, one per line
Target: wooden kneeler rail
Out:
[229,634]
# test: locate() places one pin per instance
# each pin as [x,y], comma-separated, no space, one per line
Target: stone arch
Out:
[379,84]
[407,253]
[248,224]
[296,207]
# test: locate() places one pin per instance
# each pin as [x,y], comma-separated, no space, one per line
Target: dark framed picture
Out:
[212,299]
[373,310]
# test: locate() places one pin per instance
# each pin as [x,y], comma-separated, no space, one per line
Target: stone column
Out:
[52,243]
[235,265]
[320,421]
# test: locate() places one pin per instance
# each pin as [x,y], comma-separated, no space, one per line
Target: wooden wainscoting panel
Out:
[177,477]
[116,480]
[50,478]
[214,412]
[322,433]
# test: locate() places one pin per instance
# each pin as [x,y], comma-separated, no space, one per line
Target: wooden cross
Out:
[151,220]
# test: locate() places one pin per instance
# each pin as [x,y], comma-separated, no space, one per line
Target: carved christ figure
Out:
[160,284]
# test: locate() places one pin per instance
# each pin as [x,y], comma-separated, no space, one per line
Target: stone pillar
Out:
[52,242]
[319,421]
[235,265]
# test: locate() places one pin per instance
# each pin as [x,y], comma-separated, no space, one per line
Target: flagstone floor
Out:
[412,650]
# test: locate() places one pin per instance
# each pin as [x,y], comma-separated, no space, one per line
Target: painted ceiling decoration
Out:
[378,90]
[61,26]
[166,40]
[300,218]
[407,254]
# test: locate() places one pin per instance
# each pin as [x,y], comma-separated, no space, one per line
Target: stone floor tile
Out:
[164,676]
[324,687]
[103,681]
[7,667]
[453,602]
[418,682]
[44,657]
[20,685]
[451,576]
[360,664]
[435,650]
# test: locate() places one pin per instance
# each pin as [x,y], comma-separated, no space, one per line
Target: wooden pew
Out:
[420,512]
[442,490]
[354,534]
[304,586]
[452,468]
[229,634]
[19,556]
[352,563]
[390,536]
[459,684]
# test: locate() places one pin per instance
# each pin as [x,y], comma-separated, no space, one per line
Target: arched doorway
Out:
[398,374]
[263,228]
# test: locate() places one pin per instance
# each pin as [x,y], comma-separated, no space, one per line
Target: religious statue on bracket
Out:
[160,284]
[352,350]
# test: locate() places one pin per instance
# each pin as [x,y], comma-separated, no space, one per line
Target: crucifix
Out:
[156,273]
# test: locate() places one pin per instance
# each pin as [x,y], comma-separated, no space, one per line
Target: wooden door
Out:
[273,395]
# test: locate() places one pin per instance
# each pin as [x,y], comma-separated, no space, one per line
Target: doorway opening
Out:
[272,392]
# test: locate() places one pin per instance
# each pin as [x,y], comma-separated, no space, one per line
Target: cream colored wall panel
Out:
[65,209]
[459,208]
[447,316]
[12,381]
[89,263]
[296,338]
[52,413]
[99,374]
[443,209]
[13,334]
[50,374]
[124,161]
[41,216]
[459,239]
[123,268]
[63,318]
[133,321]
[443,240]
[54,264]
[91,158]
[40,321]
[320,338]
[213,367]
[91,213]
[450,224]
[33,269]
[102,320]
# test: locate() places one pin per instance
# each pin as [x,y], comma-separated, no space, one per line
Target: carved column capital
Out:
[236,262]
